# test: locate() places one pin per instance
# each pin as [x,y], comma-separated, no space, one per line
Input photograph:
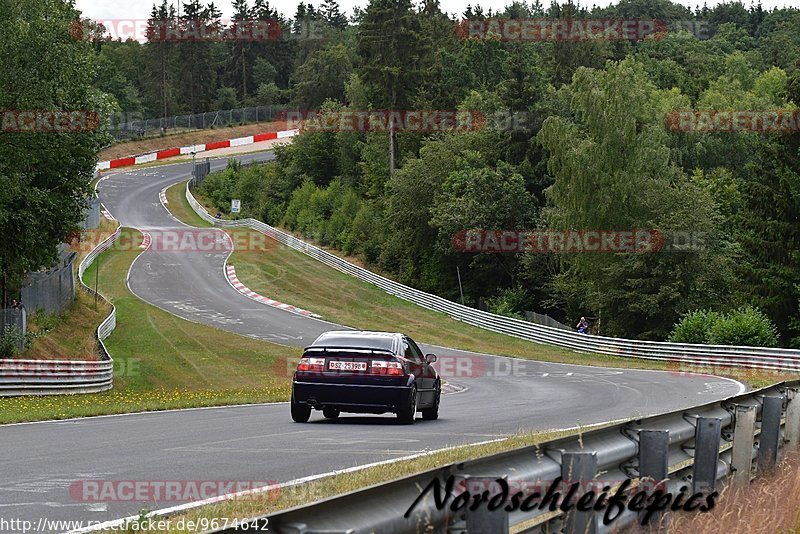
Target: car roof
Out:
[389,341]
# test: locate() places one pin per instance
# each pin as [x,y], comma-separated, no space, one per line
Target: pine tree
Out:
[241,59]
[390,49]
[161,60]
[332,14]
[770,230]
[197,78]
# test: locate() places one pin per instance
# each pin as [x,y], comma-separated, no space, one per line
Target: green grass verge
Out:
[164,362]
[284,274]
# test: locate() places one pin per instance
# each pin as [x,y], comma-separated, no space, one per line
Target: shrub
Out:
[10,341]
[694,327]
[745,326]
[508,302]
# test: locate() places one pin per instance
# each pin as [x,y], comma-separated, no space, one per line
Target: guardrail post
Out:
[580,467]
[706,454]
[770,432]
[653,461]
[743,435]
[482,519]
[791,433]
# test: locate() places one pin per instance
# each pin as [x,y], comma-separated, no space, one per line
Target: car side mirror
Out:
[430,358]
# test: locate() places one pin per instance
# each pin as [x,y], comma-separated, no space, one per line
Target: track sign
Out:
[236,205]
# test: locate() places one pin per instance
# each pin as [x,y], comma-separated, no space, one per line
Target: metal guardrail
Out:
[691,354]
[57,377]
[695,447]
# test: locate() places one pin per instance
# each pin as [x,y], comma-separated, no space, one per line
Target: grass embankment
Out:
[70,335]
[770,505]
[287,275]
[163,362]
[186,138]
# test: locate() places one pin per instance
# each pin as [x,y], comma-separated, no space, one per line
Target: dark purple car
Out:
[365,372]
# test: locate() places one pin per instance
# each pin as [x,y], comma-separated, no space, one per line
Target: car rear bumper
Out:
[356,398]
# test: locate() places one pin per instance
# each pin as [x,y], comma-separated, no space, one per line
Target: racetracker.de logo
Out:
[560,241]
[523,30]
[168,490]
[170,30]
[729,121]
[203,240]
[424,120]
[48,121]
[448,366]
[723,365]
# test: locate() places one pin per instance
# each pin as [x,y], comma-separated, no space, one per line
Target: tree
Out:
[268,94]
[197,80]
[769,233]
[332,14]
[322,77]
[44,176]
[241,51]
[613,171]
[160,61]
[263,72]
[389,48]
[226,98]
[477,197]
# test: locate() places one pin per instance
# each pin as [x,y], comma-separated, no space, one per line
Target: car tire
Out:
[330,413]
[300,412]
[432,413]
[407,413]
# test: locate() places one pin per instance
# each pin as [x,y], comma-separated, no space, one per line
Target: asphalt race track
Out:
[260,443]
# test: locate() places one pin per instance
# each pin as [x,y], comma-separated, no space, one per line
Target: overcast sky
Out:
[140,9]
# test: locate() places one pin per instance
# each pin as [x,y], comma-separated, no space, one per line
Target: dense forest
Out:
[595,150]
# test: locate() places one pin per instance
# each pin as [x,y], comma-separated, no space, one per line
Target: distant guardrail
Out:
[694,356]
[695,447]
[56,377]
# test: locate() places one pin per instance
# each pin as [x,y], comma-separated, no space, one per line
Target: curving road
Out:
[260,443]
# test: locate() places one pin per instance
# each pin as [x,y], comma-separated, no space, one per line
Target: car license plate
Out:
[347,366]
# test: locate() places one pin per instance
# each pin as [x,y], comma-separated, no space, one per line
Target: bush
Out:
[10,341]
[508,302]
[746,326]
[694,327]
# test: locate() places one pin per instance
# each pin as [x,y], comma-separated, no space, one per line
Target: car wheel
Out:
[406,414]
[330,413]
[433,412]
[300,412]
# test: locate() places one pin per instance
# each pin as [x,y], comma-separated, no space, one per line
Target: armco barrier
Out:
[170,152]
[696,447]
[695,357]
[57,377]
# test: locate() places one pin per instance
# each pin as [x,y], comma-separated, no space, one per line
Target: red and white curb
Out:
[147,240]
[230,271]
[171,152]
[162,196]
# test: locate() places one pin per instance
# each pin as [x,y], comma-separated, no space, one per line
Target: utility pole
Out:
[460,289]
[96,278]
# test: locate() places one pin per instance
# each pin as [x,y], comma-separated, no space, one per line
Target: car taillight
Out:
[386,368]
[314,365]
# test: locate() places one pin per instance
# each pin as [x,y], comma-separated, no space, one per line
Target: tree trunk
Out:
[244,76]
[392,135]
